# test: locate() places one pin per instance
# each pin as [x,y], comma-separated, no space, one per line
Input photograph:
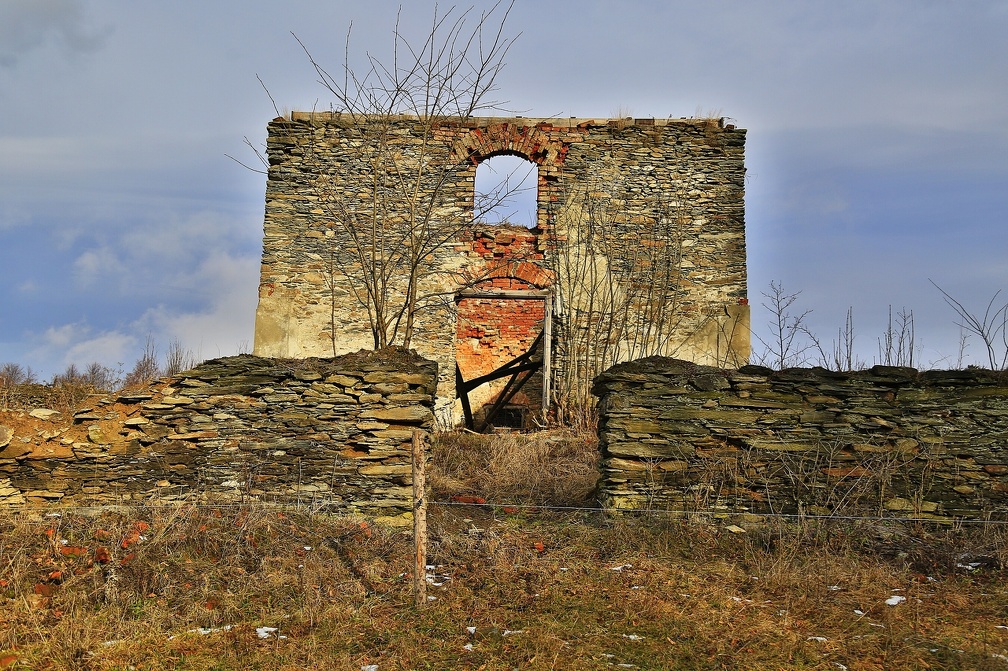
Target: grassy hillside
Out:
[520,584]
[258,588]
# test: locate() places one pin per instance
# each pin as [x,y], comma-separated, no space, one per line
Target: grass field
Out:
[264,588]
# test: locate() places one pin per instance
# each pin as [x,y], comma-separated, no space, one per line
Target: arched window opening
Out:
[507,189]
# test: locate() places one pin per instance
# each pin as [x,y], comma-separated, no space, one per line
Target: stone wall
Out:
[682,177]
[896,441]
[326,432]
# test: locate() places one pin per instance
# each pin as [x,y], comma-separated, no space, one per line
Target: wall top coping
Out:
[394,358]
[552,122]
[657,367]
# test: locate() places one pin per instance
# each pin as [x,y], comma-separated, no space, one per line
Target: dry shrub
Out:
[65,393]
[14,374]
[554,467]
[20,388]
[178,359]
[146,369]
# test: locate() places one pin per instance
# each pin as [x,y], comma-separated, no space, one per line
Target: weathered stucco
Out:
[648,185]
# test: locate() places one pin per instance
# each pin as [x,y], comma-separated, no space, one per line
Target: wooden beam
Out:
[511,294]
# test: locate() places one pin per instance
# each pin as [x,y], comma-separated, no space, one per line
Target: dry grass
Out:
[64,397]
[555,467]
[131,590]
[192,587]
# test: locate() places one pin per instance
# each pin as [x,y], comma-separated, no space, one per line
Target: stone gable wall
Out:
[639,168]
[888,440]
[328,432]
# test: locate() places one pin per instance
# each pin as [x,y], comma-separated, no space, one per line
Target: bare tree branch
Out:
[989,327]
[397,213]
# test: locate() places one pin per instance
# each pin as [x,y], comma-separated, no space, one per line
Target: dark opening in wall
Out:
[506,191]
[509,417]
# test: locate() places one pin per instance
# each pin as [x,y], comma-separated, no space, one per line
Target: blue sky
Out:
[877,150]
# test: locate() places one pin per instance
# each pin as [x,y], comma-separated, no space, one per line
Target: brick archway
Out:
[518,275]
[501,316]
[478,144]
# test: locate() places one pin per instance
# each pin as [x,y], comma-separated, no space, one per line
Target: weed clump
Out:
[555,467]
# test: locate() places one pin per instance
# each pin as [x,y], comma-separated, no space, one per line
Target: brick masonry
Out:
[677,436]
[636,166]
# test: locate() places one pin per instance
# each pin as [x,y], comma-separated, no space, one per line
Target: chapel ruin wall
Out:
[643,184]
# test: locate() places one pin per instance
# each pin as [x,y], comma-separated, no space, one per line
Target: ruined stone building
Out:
[637,248]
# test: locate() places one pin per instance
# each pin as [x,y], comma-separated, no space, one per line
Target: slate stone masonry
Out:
[334,433]
[896,441]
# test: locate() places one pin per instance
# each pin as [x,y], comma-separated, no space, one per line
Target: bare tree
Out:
[393,206]
[102,378]
[896,346]
[788,343]
[843,356]
[178,358]
[620,297]
[991,327]
[12,374]
[146,368]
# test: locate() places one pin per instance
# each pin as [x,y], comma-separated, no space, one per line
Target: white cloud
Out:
[28,24]
[199,269]
[110,349]
[224,287]
[77,343]
[62,336]
[223,327]
[96,264]
[185,239]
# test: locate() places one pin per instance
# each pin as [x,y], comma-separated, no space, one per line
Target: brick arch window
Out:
[506,190]
[474,145]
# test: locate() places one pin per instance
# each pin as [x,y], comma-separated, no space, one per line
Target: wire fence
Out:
[508,508]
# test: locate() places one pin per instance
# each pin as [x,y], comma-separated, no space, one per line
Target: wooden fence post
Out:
[419,519]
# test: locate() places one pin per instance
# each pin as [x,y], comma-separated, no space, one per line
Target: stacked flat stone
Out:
[890,440]
[332,433]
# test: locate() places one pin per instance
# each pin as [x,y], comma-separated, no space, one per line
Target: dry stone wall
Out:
[677,436]
[333,433]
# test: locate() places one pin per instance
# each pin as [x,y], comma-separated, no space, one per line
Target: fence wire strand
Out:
[321,508]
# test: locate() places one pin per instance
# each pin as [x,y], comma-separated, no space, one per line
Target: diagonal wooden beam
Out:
[506,395]
[523,363]
[502,371]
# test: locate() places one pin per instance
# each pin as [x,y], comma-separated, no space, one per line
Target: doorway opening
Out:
[502,356]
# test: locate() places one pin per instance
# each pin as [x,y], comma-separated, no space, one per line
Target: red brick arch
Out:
[531,274]
[473,145]
[477,144]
